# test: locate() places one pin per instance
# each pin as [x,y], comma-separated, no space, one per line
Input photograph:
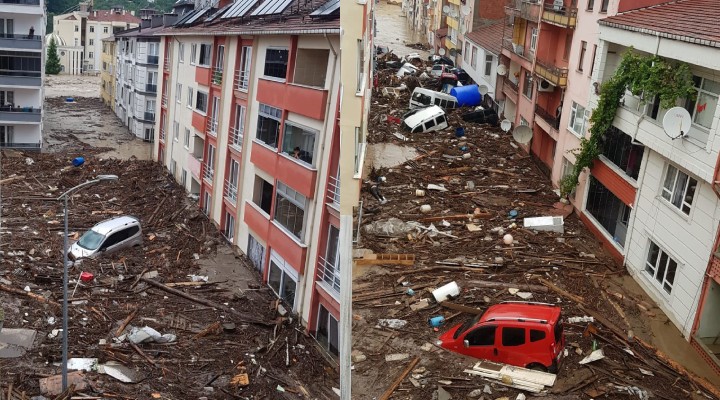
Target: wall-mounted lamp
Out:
[597,88]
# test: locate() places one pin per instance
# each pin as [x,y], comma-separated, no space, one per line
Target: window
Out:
[178,93]
[536,335]
[679,189]
[92,42]
[186,141]
[153,49]
[527,85]
[6,134]
[592,61]
[90,54]
[473,59]
[590,5]
[484,336]
[290,210]
[181,52]
[245,65]
[703,107]
[173,167]
[232,180]
[489,58]
[327,331]
[311,67]
[360,66]
[229,230]
[92,29]
[299,142]
[193,53]
[567,168]
[280,280]
[268,125]
[190,97]
[524,122]
[583,49]
[77,42]
[105,29]
[568,46]
[238,129]
[205,51]
[577,119]
[77,28]
[176,131]
[183,177]
[533,39]
[7,97]
[276,63]
[256,253]
[604,5]
[513,336]
[661,266]
[330,270]
[263,194]
[466,51]
[206,203]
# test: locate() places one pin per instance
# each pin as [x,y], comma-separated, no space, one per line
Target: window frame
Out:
[190,97]
[473,58]
[296,199]
[534,32]
[181,52]
[268,112]
[654,269]
[266,66]
[489,61]
[669,194]
[581,60]
[574,109]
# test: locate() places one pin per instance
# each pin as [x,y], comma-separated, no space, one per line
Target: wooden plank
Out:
[377,259]
[398,380]
[561,292]
[462,308]
[504,285]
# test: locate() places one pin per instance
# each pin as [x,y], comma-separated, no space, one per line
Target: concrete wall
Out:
[477,73]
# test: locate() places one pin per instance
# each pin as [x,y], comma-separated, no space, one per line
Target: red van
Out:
[524,334]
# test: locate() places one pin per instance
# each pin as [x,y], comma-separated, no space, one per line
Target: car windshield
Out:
[91,240]
[467,325]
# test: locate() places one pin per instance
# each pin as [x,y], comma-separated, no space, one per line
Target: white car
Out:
[106,237]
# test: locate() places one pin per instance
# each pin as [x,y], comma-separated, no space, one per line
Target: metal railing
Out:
[243,80]
[19,109]
[329,273]
[12,145]
[560,15]
[527,9]
[236,137]
[217,76]
[230,192]
[208,173]
[512,85]
[162,134]
[14,72]
[333,190]
[551,73]
[549,118]
[212,126]
[20,36]
[151,88]
[164,100]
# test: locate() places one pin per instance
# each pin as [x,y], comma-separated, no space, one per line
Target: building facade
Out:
[22,72]
[481,55]
[107,73]
[248,124]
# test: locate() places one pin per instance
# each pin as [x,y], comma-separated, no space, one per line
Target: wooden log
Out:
[126,321]
[504,285]
[28,294]
[398,380]
[561,292]
[11,179]
[605,322]
[462,308]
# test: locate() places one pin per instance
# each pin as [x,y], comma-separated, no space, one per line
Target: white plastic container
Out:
[442,293]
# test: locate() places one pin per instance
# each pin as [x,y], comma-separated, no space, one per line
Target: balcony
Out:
[333,191]
[510,88]
[565,17]
[194,165]
[552,73]
[553,123]
[164,99]
[328,275]
[211,128]
[208,173]
[230,191]
[20,114]
[199,121]
[21,146]
[242,79]
[217,75]
[150,88]
[166,64]
[298,176]
[149,116]
[517,49]
[203,75]
[153,59]
[10,77]
[20,42]
[236,138]
[527,9]
[304,100]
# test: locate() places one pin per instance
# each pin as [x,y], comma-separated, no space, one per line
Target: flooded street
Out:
[393,30]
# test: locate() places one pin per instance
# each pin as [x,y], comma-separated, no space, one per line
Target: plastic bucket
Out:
[436,321]
[459,131]
[467,96]
[86,276]
[78,161]
[442,293]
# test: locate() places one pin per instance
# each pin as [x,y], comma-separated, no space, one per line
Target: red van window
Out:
[536,335]
[483,336]
[513,336]
[558,331]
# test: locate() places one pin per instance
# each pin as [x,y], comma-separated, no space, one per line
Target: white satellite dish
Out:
[502,70]
[522,134]
[505,125]
[483,89]
[465,11]
[441,51]
[446,9]
[676,122]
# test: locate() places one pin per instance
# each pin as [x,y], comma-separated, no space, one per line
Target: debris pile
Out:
[475,218]
[144,322]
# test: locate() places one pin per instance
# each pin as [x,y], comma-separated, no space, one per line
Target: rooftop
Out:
[693,21]
[137,32]
[489,37]
[110,16]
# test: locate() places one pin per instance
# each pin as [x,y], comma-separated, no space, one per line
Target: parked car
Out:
[422,97]
[435,59]
[438,70]
[462,76]
[426,119]
[380,50]
[107,237]
[524,334]
[482,116]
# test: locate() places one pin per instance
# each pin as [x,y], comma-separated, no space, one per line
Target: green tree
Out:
[52,64]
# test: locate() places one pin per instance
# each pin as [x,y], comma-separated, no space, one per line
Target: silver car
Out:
[108,236]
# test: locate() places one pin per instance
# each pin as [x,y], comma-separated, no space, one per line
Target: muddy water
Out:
[394,31]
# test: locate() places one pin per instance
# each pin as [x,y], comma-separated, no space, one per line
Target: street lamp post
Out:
[64,197]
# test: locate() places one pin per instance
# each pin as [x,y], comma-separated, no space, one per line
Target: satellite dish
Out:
[522,134]
[465,11]
[441,51]
[502,70]
[505,125]
[483,89]
[676,122]
[446,9]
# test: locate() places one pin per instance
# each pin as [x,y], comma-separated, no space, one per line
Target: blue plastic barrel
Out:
[69,100]
[467,96]
[436,321]
[78,161]
[460,132]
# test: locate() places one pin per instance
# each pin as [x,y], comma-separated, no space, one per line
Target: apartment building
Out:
[82,32]
[250,128]
[107,73]
[22,69]
[481,54]
[137,76]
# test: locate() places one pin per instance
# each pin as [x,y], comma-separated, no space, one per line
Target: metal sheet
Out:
[327,8]
[240,8]
[270,7]
[219,12]
[197,16]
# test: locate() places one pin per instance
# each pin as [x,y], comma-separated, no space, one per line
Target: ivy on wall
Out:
[646,75]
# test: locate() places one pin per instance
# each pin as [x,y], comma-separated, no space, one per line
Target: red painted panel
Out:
[289,249]
[271,93]
[199,121]
[614,182]
[296,176]
[257,222]
[607,244]
[263,158]
[202,75]
[328,302]
[302,100]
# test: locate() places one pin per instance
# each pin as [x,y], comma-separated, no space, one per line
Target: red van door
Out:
[481,342]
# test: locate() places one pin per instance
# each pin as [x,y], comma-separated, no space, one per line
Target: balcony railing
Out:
[243,80]
[230,191]
[333,189]
[23,2]
[554,122]
[164,100]
[212,126]
[20,114]
[527,9]
[31,146]
[150,88]
[20,41]
[208,173]
[512,85]
[552,73]
[236,138]
[13,72]
[517,49]
[162,135]
[560,15]
[21,109]
[329,274]
[166,64]
[153,59]
[149,116]
[217,75]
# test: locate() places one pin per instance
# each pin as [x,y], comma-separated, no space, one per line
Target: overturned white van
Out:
[422,97]
[426,119]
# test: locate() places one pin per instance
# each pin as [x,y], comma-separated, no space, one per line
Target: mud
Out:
[394,31]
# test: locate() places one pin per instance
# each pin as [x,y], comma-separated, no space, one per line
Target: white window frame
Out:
[181,52]
[574,110]
[178,93]
[533,39]
[176,131]
[489,61]
[360,67]
[700,91]
[183,177]
[193,53]
[653,270]
[190,96]
[229,229]
[186,142]
[298,200]
[105,29]
[473,57]
[286,271]
[669,193]
[207,102]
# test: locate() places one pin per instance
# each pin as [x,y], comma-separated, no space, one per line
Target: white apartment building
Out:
[480,55]
[22,69]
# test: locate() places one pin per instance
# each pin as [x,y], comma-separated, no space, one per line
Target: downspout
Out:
[175,107]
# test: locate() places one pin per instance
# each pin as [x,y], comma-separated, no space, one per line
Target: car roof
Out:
[423,114]
[108,225]
[435,93]
[522,310]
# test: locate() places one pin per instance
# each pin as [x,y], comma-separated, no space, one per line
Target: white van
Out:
[422,97]
[108,236]
[426,119]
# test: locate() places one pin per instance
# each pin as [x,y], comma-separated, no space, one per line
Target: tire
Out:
[537,367]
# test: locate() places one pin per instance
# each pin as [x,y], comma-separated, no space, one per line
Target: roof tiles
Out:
[488,37]
[109,16]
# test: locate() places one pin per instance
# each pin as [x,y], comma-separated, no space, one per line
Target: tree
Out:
[52,64]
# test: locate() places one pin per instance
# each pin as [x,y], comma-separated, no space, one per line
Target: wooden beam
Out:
[561,292]
[504,285]
[461,308]
[398,380]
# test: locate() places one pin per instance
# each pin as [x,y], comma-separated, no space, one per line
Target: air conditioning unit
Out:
[545,86]
[518,49]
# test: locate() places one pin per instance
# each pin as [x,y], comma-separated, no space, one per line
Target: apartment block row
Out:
[22,69]
[651,198]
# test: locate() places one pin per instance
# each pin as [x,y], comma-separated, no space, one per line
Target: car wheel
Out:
[537,367]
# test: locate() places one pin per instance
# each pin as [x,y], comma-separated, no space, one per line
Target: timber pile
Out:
[227,344]
[486,196]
